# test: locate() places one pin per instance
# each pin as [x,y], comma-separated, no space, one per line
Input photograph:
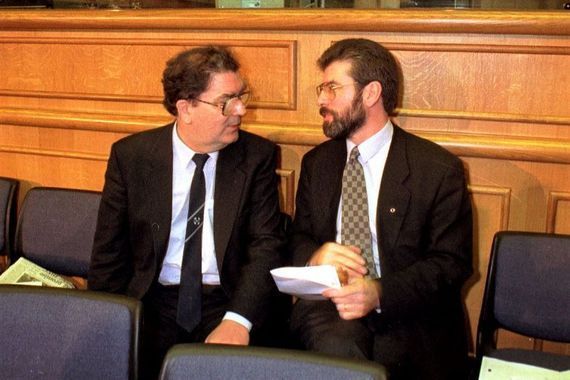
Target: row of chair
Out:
[53,333]
[55,227]
[527,289]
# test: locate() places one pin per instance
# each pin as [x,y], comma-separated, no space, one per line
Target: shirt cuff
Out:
[238,319]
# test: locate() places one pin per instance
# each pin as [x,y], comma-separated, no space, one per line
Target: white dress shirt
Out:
[182,173]
[373,155]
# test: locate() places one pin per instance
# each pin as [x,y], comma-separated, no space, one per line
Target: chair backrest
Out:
[204,361]
[56,228]
[527,289]
[8,199]
[53,333]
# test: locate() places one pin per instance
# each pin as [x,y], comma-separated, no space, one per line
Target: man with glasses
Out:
[392,213]
[189,220]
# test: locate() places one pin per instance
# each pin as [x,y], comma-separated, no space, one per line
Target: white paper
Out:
[306,282]
[496,369]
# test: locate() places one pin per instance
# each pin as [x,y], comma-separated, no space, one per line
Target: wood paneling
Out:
[492,87]
[111,69]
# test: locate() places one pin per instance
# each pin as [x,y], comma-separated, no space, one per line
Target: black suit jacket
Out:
[424,225]
[135,215]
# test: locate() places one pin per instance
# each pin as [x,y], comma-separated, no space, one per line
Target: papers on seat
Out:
[306,282]
[496,369]
[25,272]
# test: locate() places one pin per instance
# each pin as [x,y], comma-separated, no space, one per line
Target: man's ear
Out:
[372,93]
[184,108]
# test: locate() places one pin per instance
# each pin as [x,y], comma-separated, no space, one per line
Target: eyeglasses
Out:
[330,88]
[229,105]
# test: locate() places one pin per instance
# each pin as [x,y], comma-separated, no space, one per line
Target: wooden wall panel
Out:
[130,70]
[492,87]
[558,212]
[491,206]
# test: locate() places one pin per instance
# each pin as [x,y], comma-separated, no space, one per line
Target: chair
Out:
[56,228]
[53,333]
[205,361]
[9,188]
[8,200]
[527,292]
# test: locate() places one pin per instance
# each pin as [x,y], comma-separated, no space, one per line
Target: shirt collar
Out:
[371,146]
[183,153]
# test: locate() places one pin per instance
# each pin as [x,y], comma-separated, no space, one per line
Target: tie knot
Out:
[354,153]
[200,160]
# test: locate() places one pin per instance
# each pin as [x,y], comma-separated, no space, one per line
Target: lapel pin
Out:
[392,210]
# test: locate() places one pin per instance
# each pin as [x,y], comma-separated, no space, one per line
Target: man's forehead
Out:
[227,82]
[337,70]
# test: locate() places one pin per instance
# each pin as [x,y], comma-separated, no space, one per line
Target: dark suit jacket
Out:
[135,216]
[424,226]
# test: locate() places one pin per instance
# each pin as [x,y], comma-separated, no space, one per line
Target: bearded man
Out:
[392,212]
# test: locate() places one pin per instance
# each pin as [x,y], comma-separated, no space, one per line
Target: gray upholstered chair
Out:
[211,361]
[8,200]
[53,333]
[527,292]
[56,228]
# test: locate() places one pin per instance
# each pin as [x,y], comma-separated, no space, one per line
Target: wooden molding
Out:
[338,20]
[288,188]
[478,48]
[485,116]
[554,198]
[534,149]
[503,193]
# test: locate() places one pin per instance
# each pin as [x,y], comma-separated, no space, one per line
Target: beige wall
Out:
[491,87]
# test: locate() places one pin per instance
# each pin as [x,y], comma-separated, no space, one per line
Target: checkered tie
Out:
[355,223]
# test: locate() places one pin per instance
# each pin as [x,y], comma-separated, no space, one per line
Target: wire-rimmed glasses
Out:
[229,105]
[329,88]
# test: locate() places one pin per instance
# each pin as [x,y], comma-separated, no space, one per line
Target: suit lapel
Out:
[330,183]
[394,197]
[230,178]
[158,185]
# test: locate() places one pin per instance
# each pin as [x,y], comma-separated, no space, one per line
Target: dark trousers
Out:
[160,330]
[406,350]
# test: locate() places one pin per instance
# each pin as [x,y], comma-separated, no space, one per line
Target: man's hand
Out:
[356,299]
[229,332]
[343,257]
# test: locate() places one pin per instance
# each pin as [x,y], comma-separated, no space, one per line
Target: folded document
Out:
[306,282]
[25,272]
[496,369]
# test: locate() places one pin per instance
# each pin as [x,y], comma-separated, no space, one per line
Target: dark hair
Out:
[188,74]
[370,62]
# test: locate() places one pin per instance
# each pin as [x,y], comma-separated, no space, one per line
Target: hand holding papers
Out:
[306,282]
